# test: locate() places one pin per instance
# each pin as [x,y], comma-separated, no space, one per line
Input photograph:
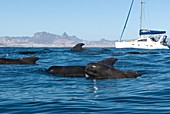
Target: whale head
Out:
[101,69]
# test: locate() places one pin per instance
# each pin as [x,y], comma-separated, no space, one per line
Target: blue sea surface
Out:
[31,89]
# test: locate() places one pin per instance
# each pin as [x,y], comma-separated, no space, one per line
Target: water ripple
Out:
[30,89]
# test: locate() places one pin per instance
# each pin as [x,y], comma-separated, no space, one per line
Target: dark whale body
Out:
[98,70]
[78,47]
[27,52]
[104,70]
[69,71]
[26,60]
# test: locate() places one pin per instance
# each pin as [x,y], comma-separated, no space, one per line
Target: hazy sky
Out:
[87,19]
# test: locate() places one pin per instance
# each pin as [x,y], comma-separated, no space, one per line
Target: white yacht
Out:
[148,39]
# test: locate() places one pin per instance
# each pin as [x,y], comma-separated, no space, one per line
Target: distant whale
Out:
[27,52]
[78,47]
[104,70]
[69,71]
[26,60]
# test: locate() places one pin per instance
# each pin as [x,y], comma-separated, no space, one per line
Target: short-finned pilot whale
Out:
[78,47]
[96,70]
[26,60]
[69,71]
[104,70]
[27,52]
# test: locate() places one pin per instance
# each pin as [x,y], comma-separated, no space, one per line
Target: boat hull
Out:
[141,45]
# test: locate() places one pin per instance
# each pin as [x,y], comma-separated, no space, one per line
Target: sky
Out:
[86,19]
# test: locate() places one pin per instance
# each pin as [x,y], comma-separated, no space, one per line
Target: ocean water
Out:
[31,89]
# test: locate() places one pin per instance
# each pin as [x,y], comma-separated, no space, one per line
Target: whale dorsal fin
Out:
[108,62]
[78,47]
[30,60]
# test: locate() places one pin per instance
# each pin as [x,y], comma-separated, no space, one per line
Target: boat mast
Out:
[141,8]
[126,20]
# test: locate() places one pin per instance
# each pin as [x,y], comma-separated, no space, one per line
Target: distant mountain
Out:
[44,39]
[65,35]
[44,35]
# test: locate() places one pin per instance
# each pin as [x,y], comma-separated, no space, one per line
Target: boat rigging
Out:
[148,39]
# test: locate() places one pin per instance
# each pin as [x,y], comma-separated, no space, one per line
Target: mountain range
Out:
[45,39]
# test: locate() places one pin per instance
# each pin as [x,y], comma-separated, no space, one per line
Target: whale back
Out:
[29,60]
[26,60]
[69,71]
[5,61]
